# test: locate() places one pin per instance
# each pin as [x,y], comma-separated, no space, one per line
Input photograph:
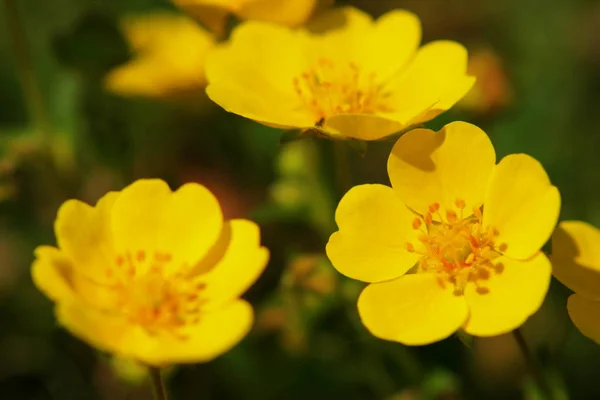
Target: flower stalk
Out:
[158,384]
[532,365]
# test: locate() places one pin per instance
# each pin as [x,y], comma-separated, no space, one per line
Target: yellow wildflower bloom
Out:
[363,79]
[169,53]
[493,90]
[152,275]
[213,13]
[454,243]
[576,263]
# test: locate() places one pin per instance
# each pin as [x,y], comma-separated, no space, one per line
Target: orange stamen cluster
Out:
[149,292]
[456,247]
[330,89]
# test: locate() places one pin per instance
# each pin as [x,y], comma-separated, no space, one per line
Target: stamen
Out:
[416,223]
[457,248]
[451,216]
[428,219]
[151,295]
[329,89]
[433,208]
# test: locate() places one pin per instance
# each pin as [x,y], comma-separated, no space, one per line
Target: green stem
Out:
[31,88]
[343,172]
[534,368]
[158,384]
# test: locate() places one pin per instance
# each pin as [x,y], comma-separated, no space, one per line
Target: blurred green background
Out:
[308,342]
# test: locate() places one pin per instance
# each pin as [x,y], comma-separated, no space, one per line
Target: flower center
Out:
[456,248]
[149,293]
[329,89]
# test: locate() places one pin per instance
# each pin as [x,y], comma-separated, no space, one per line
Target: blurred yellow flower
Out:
[152,275]
[213,13]
[361,79]
[169,53]
[492,90]
[576,263]
[436,260]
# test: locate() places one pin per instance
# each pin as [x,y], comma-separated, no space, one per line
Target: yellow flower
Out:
[364,79]
[576,263]
[169,56]
[152,275]
[213,13]
[454,243]
[492,91]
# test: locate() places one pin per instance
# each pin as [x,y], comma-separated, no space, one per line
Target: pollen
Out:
[457,248]
[330,88]
[151,292]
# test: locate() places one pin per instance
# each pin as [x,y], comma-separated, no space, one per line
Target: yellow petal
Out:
[339,20]
[284,12]
[169,58]
[61,280]
[106,332]
[148,217]
[374,228]
[427,167]
[215,333]
[137,78]
[253,75]
[522,205]
[234,263]
[83,234]
[514,295]
[585,314]
[211,16]
[576,257]
[414,309]
[361,126]
[398,30]
[55,275]
[436,78]
[51,272]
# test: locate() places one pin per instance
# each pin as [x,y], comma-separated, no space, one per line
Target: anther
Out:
[416,223]
[477,212]
[482,290]
[460,204]
[192,297]
[410,248]
[428,219]
[451,216]
[433,208]
[162,257]
[141,256]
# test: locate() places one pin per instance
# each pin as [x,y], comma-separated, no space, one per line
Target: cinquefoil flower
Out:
[360,79]
[213,13]
[454,243]
[576,263]
[152,275]
[169,52]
